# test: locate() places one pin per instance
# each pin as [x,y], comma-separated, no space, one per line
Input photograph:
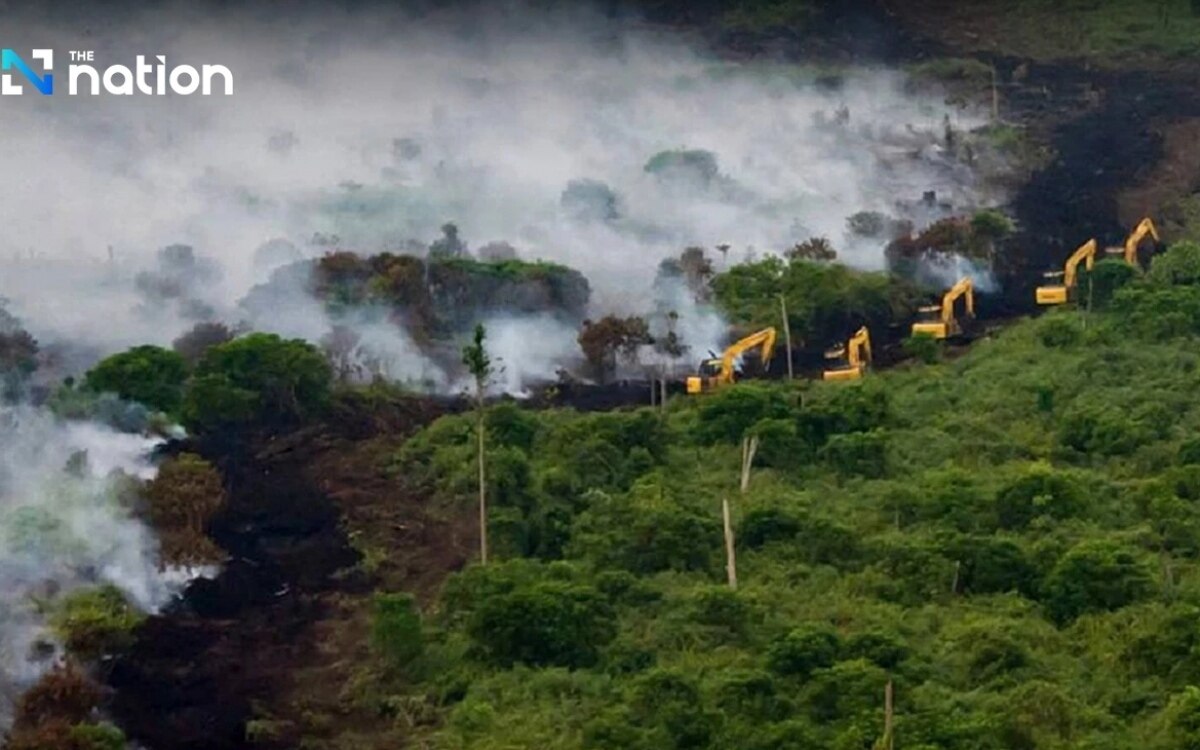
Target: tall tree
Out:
[476,358]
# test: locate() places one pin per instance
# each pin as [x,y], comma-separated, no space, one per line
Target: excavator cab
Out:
[929,322]
[718,371]
[940,321]
[1054,291]
[849,362]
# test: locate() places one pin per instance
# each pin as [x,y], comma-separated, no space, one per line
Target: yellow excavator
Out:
[939,321]
[849,362]
[1057,293]
[719,371]
[1144,229]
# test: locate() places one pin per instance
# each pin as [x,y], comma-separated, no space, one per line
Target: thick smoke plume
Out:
[65,522]
[570,136]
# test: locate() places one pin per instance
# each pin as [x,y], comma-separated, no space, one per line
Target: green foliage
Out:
[803,650]
[1179,265]
[149,375]
[923,347]
[857,454]
[396,628]
[96,622]
[825,301]
[259,378]
[543,623]
[1095,576]
[1036,492]
[1010,536]
[1105,278]
[730,413]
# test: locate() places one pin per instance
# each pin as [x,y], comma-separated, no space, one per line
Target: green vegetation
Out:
[255,379]
[825,301]
[1010,537]
[96,622]
[149,375]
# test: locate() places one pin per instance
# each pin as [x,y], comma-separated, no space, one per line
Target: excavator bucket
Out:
[1051,295]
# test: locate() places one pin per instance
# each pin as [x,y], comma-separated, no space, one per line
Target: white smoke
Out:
[64,524]
[377,128]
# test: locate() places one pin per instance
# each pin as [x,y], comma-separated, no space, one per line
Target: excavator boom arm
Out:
[764,339]
[1085,254]
[1145,227]
[964,288]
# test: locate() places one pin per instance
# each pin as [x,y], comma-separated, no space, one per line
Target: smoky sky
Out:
[371,125]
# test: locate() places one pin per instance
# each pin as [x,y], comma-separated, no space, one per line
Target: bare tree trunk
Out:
[749,448]
[730,550]
[889,739]
[662,401]
[483,519]
[787,334]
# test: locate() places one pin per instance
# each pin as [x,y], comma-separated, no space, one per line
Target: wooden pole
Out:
[787,334]
[730,551]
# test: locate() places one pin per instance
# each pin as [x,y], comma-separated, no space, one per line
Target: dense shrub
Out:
[730,413]
[149,375]
[542,624]
[396,628]
[96,622]
[1095,576]
[803,650]
[1038,491]
[257,378]
[857,454]
[1179,265]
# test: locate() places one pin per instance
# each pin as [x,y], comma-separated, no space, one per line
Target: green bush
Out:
[923,347]
[779,445]
[803,650]
[96,622]
[857,454]
[763,525]
[1179,265]
[396,628]
[257,378]
[1038,491]
[149,375]
[546,623]
[1105,278]
[1096,575]
[1060,331]
[729,414]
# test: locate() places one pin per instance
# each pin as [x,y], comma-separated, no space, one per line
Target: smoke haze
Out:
[376,127]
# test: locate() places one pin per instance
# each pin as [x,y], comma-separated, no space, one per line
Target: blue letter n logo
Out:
[10,60]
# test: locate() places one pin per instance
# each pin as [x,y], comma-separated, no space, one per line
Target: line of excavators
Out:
[851,360]
[1061,284]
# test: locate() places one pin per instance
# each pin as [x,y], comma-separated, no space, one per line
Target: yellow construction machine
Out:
[849,362]
[1057,293]
[1144,229]
[719,371]
[939,321]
